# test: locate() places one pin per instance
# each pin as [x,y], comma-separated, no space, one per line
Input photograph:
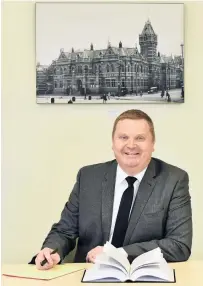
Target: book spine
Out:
[128,277]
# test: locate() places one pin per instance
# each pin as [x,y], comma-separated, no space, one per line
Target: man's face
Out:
[133,145]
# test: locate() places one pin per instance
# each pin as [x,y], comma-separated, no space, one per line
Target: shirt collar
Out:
[121,175]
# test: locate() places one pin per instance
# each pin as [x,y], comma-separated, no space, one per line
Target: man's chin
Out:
[132,163]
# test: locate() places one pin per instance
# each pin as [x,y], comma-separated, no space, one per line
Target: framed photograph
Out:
[103,53]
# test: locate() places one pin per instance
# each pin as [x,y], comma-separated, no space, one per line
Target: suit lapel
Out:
[108,186]
[145,189]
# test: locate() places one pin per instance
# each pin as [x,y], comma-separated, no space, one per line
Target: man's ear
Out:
[112,144]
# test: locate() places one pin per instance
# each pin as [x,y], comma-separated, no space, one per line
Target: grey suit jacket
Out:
[161,215]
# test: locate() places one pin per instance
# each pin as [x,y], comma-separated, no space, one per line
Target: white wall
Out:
[43,146]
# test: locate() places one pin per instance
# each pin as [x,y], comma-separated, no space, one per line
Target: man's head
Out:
[133,139]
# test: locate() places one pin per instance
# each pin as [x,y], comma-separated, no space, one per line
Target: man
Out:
[136,202]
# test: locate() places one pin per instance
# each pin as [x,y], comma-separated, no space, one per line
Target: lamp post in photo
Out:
[182,60]
[182,45]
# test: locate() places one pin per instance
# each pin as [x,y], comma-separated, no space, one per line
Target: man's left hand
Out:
[91,255]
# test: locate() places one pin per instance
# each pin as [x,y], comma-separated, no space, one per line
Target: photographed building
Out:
[119,70]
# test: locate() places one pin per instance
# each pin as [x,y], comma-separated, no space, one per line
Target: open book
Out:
[113,266]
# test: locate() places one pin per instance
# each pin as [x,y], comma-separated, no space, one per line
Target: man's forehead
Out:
[136,123]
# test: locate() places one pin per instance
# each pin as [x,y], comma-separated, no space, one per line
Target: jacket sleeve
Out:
[64,233]
[177,240]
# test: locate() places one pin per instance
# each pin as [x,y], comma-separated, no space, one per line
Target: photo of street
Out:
[109,53]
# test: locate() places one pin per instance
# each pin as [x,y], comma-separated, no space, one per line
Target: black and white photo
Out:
[109,53]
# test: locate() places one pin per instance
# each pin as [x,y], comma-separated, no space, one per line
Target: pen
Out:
[45,260]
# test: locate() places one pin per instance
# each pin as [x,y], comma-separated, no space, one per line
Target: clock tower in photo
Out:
[148,42]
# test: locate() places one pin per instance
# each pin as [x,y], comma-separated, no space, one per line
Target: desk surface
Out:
[189,273]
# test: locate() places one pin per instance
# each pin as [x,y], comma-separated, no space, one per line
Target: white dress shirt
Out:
[120,186]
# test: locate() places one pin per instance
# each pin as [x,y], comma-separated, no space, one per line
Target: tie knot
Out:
[130,180]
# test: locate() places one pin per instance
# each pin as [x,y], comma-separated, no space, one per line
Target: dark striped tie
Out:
[123,214]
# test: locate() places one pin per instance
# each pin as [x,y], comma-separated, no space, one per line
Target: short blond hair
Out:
[135,114]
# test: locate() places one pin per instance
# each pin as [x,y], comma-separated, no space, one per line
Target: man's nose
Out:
[131,143]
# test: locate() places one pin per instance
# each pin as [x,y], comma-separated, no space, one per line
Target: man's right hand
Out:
[52,259]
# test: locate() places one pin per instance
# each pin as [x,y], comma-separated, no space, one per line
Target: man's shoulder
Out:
[169,168]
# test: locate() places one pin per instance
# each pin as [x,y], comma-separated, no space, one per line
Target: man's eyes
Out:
[123,137]
[138,138]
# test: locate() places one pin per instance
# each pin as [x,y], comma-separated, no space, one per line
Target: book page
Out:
[30,271]
[149,278]
[154,273]
[104,259]
[153,269]
[103,273]
[119,256]
[153,257]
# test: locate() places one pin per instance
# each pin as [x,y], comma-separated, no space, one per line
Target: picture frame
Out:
[111,52]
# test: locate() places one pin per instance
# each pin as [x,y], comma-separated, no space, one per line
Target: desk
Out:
[189,273]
